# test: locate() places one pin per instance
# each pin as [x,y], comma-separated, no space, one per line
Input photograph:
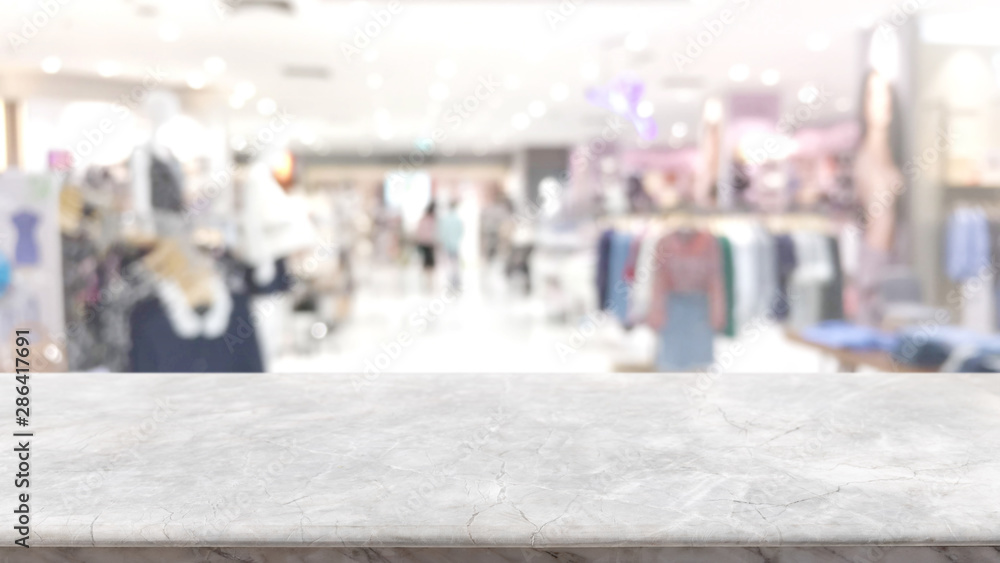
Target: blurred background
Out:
[484,186]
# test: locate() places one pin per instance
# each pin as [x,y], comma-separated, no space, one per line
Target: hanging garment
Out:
[814,271]
[618,289]
[967,244]
[688,300]
[26,251]
[166,183]
[726,252]
[685,342]
[168,335]
[80,284]
[603,267]
[632,259]
[4,274]
[646,265]
[786,263]
[832,307]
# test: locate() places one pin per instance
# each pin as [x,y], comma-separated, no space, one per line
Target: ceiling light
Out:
[713,110]
[215,65]
[196,80]
[559,92]
[536,109]
[739,73]
[636,41]
[374,81]
[266,106]
[245,90]
[590,70]
[169,32]
[446,68]
[618,102]
[818,42]
[644,109]
[520,121]
[107,69]
[511,82]
[370,56]
[386,132]
[808,94]
[307,137]
[382,115]
[679,130]
[237,102]
[51,65]
[439,91]
[770,77]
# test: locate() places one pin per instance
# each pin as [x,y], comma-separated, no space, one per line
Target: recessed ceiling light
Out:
[645,108]
[307,137]
[536,109]
[590,70]
[818,42]
[107,69]
[559,92]
[386,132]
[439,91]
[770,77]
[446,68]
[520,121]
[245,90]
[237,102]
[381,115]
[196,80]
[808,93]
[169,32]
[51,65]
[636,41]
[618,102]
[713,110]
[374,81]
[739,72]
[266,106]
[215,65]
[511,82]
[679,130]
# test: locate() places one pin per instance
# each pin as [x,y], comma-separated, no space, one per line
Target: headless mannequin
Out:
[877,177]
[155,157]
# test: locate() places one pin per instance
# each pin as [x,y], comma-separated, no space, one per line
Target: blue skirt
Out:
[686,340]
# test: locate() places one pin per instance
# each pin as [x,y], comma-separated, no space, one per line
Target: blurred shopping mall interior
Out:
[473,186]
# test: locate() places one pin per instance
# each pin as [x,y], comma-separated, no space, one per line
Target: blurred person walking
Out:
[450,231]
[425,239]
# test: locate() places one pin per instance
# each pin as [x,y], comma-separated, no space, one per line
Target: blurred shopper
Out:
[425,239]
[522,245]
[450,231]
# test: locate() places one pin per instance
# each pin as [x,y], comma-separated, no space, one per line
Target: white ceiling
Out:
[484,39]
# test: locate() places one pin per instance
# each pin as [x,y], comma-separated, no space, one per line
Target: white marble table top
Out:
[511,461]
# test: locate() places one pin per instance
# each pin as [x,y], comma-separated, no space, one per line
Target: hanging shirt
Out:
[691,264]
[26,251]
[967,244]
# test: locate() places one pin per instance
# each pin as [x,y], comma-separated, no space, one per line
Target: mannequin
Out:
[878,182]
[157,178]
[275,225]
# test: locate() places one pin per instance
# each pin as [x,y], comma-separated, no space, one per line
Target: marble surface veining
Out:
[541,462]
